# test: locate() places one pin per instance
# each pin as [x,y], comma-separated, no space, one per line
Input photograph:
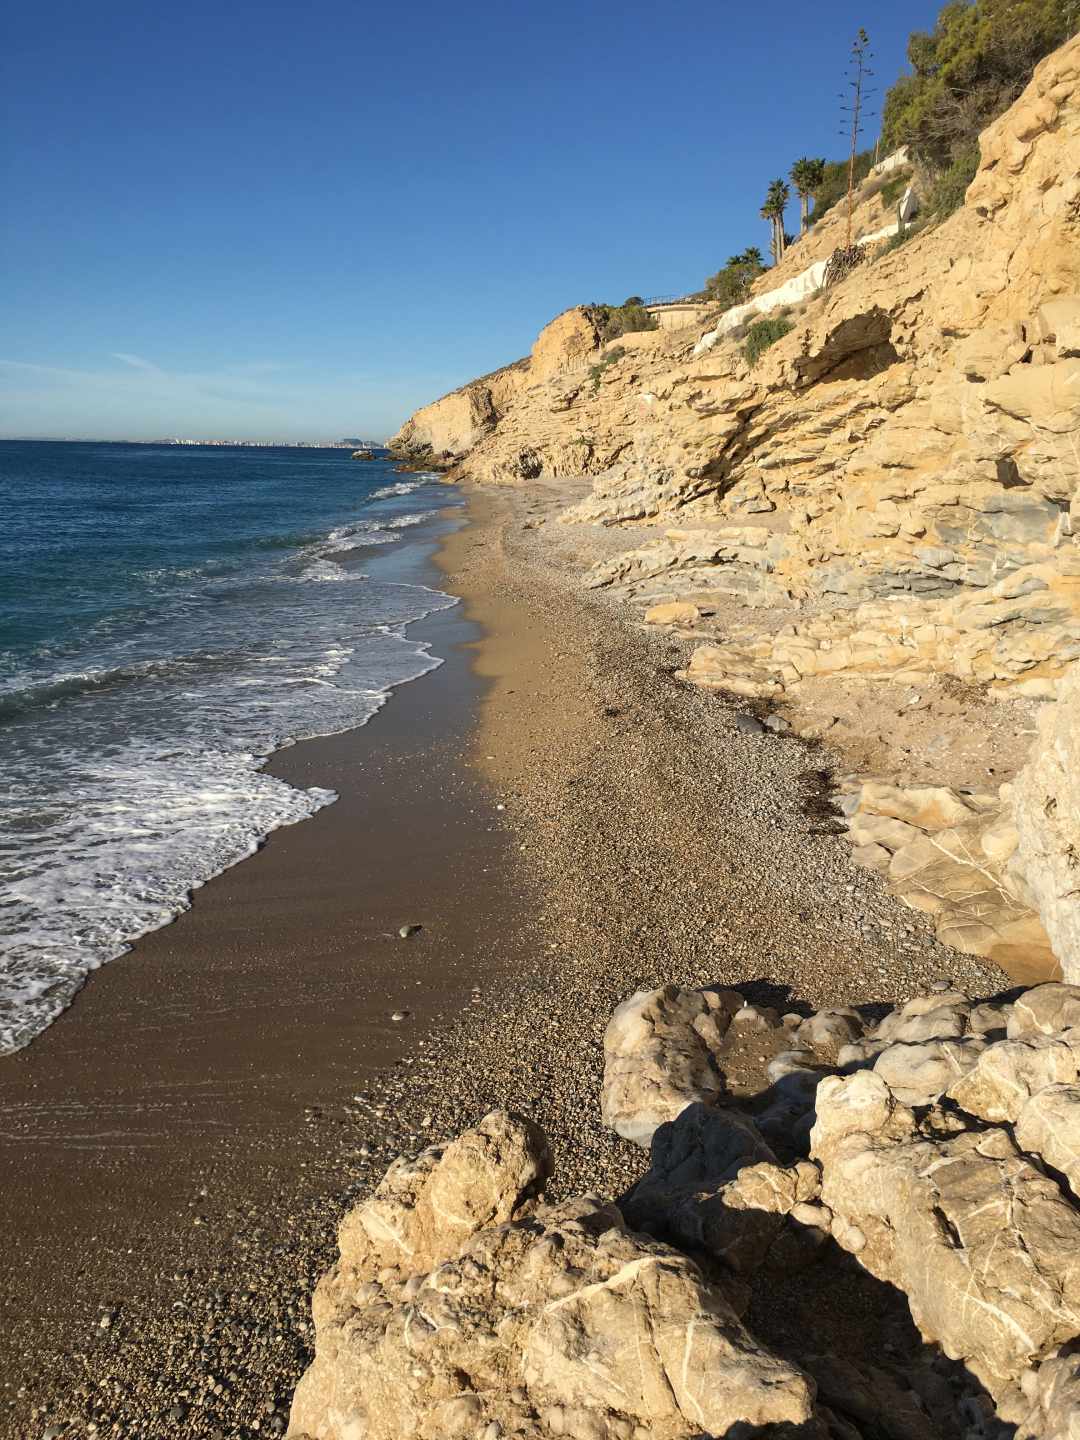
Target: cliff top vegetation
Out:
[624,319]
[964,73]
[968,70]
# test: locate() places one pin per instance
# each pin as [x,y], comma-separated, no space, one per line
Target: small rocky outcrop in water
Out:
[933,1152]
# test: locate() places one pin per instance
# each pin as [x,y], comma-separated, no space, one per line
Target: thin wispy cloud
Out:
[136,362]
[226,399]
[246,383]
[36,369]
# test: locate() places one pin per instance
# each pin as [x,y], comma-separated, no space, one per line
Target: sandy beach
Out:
[568,823]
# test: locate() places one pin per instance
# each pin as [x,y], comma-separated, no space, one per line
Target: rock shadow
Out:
[798,1292]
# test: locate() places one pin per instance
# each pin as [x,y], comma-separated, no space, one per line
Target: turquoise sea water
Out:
[168,618]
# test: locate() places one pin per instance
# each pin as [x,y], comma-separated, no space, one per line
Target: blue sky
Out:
[302,221]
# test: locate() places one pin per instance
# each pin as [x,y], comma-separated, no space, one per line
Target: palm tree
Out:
[776,200]
[807,175]
[752,257]
[769,214]
[779,195]
[745,269]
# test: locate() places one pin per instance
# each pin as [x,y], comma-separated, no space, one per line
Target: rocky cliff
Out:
[914,435]
[891,495]
[861,1222]
[450,427]
[454,425]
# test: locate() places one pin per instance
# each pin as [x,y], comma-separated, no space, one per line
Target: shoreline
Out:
[209,1068]
[623,832]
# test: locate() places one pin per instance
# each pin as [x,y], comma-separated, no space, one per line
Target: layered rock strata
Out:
[903,464]
[890,496]
[1000,870]
[955,856]
[452,426]
[1045,806]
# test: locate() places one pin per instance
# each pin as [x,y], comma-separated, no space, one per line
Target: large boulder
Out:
[938,1152]
[918,1073]
[1048,1126]
[661,1050]
[714,1186]
[1008,1074]
[426,1208]
[983,1243]
[1054,1393]
[1049,1009]
[462,1310]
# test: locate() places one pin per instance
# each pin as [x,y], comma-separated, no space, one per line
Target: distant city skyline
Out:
[252,219]
[183,442]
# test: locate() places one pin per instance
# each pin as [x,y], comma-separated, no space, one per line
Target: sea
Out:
[169,617]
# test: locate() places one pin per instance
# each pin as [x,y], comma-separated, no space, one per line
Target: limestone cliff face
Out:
[913,439]
[892,493]
[452,426]
[565,344]
[1046,805]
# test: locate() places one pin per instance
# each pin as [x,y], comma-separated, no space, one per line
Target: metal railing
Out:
[670,300]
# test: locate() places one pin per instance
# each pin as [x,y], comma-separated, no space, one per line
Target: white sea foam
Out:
[144,831]
[400,487]
[132,781]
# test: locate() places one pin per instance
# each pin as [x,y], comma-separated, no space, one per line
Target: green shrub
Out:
[900,238]
[731,285]
[834,186]
[871,186]
[948,190]
[761,335]
[968,70]
[611,358]
[894,187]
[624,319]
